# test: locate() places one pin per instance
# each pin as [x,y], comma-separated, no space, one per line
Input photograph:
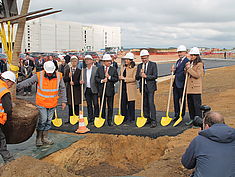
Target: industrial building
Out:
[49,35]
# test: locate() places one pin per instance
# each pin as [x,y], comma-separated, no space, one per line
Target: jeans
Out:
[44,121]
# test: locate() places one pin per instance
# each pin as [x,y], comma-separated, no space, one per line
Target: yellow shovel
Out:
[141,121]
[85,118]
[57,121]
[74,118]
[99,121]
[167,120]
[118,119]
[182,102]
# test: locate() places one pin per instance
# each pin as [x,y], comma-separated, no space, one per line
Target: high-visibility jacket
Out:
[3,90]
[47,90]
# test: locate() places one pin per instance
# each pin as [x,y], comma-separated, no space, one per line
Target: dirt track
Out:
[110,155]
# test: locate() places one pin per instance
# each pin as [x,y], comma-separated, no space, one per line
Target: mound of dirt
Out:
[30,167]
[109,155]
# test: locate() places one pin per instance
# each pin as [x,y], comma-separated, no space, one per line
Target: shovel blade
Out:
[99,122]
[73,119]
[166,121]
[141,121]
[85,120]
[118,119]
[178,121]
[57,122]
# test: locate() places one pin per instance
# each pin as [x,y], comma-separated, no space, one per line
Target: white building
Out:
[48,35]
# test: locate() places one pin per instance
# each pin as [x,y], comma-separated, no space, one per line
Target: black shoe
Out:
[110,123]
[153,125]
[175,119]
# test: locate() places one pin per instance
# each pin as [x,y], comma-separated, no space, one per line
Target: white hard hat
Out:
[8,75]
[88,57]
[129,55]
[144,53]
[49,67]
[181,48]
[106,57]
[194,51]
[73,58]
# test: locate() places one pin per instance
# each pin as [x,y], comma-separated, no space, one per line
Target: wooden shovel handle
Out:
[102,101]
[169,96]
[72,98]
[184,93]
[142,94]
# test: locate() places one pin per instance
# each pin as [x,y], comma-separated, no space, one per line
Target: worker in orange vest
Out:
[7,80]
[49,85]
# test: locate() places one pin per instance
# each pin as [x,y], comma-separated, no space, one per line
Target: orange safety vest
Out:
[47,90]
[3,91]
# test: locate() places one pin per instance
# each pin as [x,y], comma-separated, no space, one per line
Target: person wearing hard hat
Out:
[7,80]
[90,88]
[75,73]
[195,70]
[149,74]
[109,75]
[178,84]
[128,97]
[50,86]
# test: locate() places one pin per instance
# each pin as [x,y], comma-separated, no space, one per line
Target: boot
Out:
[39,138]
[45,139]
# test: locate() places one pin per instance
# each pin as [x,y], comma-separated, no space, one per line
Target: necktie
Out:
[179,62]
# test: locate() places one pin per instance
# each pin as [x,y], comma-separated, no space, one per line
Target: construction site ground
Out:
[100,155]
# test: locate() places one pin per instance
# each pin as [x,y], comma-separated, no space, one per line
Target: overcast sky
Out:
[154,23]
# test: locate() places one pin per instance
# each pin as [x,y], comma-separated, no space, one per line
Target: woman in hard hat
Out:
[195,71]
[50,86]
[7,80]
[127,76]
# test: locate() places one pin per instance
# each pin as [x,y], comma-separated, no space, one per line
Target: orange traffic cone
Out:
[81,126]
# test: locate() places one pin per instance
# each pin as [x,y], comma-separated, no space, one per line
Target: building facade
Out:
[48,35]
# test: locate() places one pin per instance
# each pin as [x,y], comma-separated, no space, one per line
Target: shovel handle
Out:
[142,93]
[72,98]
[56,114]
[120,93]
[82,90]
[102,101]
[169,96]
[184,93]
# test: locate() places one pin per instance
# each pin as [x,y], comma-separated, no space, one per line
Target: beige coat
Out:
[194,85]
[131,85]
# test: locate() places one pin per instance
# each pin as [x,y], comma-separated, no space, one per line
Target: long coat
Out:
[194,84]
[76,87]
[131,85]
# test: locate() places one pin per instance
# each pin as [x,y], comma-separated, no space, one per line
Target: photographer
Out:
[212,152]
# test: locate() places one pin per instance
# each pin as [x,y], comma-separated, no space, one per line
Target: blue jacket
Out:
[179,73]
[212,152]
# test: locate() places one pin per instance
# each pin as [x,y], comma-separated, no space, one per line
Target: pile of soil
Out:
[28,167]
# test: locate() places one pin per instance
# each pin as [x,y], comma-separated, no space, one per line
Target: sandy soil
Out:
[110,155]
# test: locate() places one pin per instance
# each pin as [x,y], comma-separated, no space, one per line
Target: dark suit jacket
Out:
[110,84]
[152,75]
[114,64]
[76,87]
[180,74]
[92,80]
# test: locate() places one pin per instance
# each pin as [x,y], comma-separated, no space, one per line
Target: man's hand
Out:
[63,105]
[107,75]
[105,80]
[187,66]
[82,82]
[121,78]
[71,83]
[173,68]
[143,75]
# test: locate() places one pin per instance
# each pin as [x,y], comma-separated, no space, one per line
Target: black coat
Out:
[76,87]
[110,84]
[152,75]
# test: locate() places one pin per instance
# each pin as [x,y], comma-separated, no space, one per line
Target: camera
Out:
[198,121]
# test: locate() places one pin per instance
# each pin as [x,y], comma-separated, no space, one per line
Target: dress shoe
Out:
[110,123]
[153,125]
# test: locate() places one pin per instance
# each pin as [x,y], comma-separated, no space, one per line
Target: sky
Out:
[154,23]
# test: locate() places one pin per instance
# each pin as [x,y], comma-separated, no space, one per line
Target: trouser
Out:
[178,94]
[28,89]
[109,100]
[76,110]
[7,157]
[92,104]
[194,104]
[45,117]
[127,107]
[149,106]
